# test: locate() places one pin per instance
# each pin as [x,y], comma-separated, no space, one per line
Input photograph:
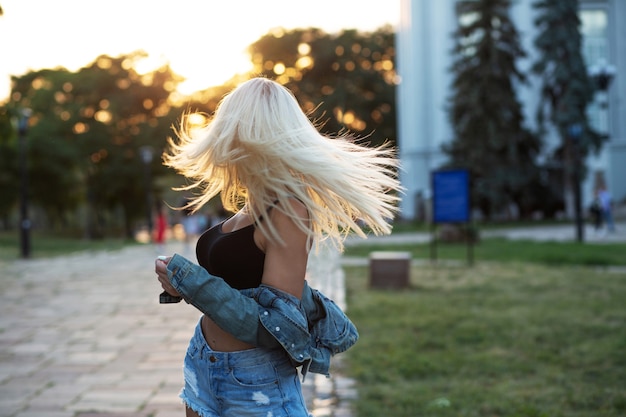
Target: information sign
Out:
[451,200]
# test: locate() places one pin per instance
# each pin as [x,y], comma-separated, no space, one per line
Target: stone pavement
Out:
[85,336]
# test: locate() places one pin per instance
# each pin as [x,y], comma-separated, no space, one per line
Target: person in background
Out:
[161,227]
[595,210]
[290,187]
[606,202]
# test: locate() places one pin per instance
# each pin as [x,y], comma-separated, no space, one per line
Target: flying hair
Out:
[260,147]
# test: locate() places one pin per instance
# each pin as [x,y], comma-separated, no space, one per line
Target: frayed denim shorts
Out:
[255,382]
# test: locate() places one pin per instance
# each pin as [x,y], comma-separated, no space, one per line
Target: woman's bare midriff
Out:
[219,340]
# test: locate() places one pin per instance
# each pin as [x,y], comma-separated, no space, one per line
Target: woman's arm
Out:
[229,308]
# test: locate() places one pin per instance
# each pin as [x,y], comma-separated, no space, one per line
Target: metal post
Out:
[575,131]
[25,223]
[580,231]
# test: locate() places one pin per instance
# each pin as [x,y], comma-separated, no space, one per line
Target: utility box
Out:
[389,270]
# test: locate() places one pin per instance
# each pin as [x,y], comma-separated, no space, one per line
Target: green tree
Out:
[121,111]
[346,80]
[9,176]
[566,88]
[490,138]
[85,134]
[53,178]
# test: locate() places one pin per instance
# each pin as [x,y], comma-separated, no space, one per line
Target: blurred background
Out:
[524,95]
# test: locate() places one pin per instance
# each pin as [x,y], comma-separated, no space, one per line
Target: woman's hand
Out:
[160,267]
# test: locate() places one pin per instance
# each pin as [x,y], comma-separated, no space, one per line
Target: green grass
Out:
[498,339]
[503,250]
[45,245]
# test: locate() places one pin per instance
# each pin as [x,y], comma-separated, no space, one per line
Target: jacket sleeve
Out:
[310,330]
[333,329]
[234,312]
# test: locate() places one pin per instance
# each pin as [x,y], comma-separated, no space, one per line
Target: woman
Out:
[290,187]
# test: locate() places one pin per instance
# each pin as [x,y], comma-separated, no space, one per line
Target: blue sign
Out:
[451,199]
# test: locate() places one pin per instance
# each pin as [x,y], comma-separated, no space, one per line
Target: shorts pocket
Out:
[262,374]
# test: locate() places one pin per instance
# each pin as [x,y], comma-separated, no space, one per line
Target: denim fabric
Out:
[329,325]
[311,330]
[255,382]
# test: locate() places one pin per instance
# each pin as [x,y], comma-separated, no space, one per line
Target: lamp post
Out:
[574,133]
[25,224]
[147,153]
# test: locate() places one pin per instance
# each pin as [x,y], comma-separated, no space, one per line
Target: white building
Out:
[424,45]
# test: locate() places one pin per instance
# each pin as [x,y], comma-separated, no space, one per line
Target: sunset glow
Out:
[205,42]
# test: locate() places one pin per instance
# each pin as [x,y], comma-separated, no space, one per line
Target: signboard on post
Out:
[451,202]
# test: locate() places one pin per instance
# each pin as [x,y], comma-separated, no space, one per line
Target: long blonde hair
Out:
[260,148]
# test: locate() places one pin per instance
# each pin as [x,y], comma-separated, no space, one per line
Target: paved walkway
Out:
[85,336]
[556,233]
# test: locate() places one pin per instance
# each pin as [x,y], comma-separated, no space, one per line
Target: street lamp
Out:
[147,153]
[25,224]
[602,74]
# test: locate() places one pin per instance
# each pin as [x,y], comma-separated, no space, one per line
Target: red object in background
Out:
[161,227]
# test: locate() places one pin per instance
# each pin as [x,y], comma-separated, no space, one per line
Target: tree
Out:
[566,89]
[9,175]
[490,138]
[121,112]
[86,131]
[53,179]
[347,80]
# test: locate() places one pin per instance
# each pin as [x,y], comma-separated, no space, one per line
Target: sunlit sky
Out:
[203,40]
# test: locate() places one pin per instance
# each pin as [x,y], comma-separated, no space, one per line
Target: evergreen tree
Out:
[490,139]
[566,89]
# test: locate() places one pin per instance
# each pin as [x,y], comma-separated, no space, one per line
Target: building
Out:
[424,42]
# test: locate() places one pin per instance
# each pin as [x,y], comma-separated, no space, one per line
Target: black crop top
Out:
[233,256]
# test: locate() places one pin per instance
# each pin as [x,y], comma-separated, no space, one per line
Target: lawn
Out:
[501,338]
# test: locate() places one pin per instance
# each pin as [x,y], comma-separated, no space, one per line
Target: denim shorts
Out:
[254,382]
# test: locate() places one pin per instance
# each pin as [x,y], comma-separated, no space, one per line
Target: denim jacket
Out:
[310,330]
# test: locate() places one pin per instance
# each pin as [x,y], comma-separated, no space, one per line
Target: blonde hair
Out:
[260,148]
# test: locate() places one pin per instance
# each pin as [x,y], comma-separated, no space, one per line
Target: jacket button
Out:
[213,358]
